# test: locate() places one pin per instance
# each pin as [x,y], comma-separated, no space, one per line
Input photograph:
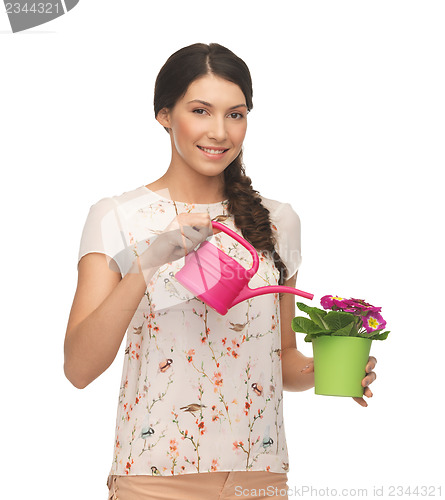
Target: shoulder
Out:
[127,200]
[110,214]
[281,213]
[285,222]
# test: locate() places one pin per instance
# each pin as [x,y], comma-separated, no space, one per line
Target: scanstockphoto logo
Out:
[24,15]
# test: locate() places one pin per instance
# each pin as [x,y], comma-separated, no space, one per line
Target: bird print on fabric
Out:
[258,385]
[169,285]
[267,440]
[191,408]
[155,471]
[146,430]
[165,364]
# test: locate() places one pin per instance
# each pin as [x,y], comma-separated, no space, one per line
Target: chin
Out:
[211,170]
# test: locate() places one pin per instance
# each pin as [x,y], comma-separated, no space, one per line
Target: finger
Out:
[369,379]
[361,402]
[205,230]
[308,368]
[184,239]
[188,219]
[372,361]
[367,392]
[199,222]
[198,234]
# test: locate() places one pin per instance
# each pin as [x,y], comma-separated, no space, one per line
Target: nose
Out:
[217,129]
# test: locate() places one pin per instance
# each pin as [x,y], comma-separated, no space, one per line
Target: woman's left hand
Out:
[369,379]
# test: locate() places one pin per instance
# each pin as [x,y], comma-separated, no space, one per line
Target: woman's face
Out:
[208,125]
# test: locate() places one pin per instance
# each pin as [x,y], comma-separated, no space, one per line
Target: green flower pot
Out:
[339,365]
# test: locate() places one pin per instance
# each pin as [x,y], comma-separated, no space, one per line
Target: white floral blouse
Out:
[200,392]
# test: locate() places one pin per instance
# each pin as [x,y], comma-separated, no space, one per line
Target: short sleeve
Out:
[103,233]
[288,238]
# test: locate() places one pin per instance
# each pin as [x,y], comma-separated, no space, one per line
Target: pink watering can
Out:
[219,280]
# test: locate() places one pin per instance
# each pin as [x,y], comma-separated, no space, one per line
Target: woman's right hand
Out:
[185,232]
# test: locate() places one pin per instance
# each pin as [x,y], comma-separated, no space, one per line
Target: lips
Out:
[213,150]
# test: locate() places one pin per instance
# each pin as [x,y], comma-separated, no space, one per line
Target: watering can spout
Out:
[248,293]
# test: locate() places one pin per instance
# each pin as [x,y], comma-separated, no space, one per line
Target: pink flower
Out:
[357,306]
[331,301]
[373,321]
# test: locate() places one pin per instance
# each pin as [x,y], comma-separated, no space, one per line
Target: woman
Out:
[200,405]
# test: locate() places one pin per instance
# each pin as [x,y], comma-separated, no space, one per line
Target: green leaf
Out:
[307,309]
[305,325]
[345,331]
[381,336]
[338,319]
[315,314]
[363,335]
[303,307]
[310,336]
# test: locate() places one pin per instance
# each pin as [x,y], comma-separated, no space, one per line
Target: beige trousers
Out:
[197,486]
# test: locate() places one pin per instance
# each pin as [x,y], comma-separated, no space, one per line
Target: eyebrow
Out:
[211,106]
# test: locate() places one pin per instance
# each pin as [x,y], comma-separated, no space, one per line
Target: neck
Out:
[191,187]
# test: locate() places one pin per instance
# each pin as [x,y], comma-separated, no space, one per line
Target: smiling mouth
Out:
[212,151]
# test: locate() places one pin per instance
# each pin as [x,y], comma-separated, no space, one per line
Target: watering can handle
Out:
[245,244]
[246,292]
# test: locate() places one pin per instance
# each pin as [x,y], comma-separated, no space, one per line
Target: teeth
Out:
[212,151]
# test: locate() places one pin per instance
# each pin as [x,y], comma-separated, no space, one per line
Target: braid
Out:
[250,215]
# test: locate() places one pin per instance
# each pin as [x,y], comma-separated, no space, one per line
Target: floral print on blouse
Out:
[200,392]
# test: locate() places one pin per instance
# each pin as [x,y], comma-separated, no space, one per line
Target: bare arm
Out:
[102,309]
[292,360]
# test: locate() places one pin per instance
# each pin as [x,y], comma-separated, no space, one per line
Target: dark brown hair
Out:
[172,82]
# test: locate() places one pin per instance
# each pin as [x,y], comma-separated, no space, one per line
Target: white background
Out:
[348,126]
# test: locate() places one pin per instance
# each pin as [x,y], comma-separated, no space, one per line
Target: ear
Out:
[163,118]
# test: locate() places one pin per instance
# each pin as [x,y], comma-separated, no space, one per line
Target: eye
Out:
[197,111]
[239,114]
